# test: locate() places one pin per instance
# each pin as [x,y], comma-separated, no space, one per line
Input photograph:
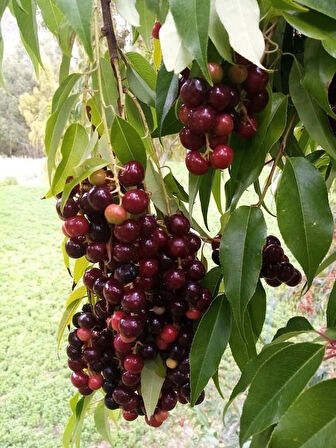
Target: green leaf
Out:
[251,369]
[52,15]
[166,92]
[243,15]
[54,129]
[205,193]
[82,408]
[159,8]
[80,267]
[240,255]
[82,172]
[147,19]
[261,440]
[152,377]
[217,190]
[209,343]
[212,280]
[218,34]
[271,394]
[74,142]
[215,379]
[175,187]
[304,216]
[63,91]
[295,326]
[101,419]
[26,20]
[311,420]
[326,262]
[324,6]
[66,258]
[288,5]
[68,430]
[66,319]
[331,308]
[192,22]
[78,293]
[109,84]
[175,54]
[78,13]
[257,310]
[319,68]
[126,142]
[128,11]
[154,184]
[141,77]
[171,125]
[249,155]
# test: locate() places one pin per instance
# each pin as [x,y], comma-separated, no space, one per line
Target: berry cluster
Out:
[144,293]
[211,114]
[276,268]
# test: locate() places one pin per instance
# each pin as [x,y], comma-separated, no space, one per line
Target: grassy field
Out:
[35,386]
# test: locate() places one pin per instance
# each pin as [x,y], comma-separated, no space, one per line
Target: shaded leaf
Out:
[166,92]
[63,91]
[331,308]
[205,193]
[212,280]
[154,184]
[218,34]
[294,327]
[152,377]
[101,419]
[128,11]
[147,19]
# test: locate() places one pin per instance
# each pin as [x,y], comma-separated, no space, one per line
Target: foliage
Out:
[91,126]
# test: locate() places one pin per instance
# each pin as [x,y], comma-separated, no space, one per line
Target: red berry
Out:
[215,140]
[153,422]
[169,333]
[134,300]
[174,279]
[178,247]
[76,364]
[220,97]
[96,381]
[155,30]
[191,141]
[202,120]
[222,157]
[256,80]
[196,163]
[160,237]
[120,346]
[113,291]
[296,279]
[194,242]
[196,270]
[130,379]
[131,174]
[216,72]
[224,125]
[79,379]
[247,128]
[193,314]
[99,197]
[178,224]
[128,231]
[148,225]
[85,390]
[193,92]
[90,276]
[115,319]
[161,344]
[115,214]
[135,201]
[129,416]
[148,268]
[70,209]
[161,415]
[168,400]
[96,252]
[130,327]
[258,102]
[133,363]
[84,334]
[77,226]
[184,113]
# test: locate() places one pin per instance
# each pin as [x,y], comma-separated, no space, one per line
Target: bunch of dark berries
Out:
[276,268]
[144,294]
[211,114]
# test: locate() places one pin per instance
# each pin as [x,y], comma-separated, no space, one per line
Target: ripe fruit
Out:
[258,102]
[95,381]
[174,278]
[148,268]
[130,379]
[79,379]
[115,214]
[113,291]
[99,197]
[129,416]
[120,346]
[216,72]
[129,326]
[77,226]
[135,201]
[75,247]
[133,363]
[222,157]
[193,314]
[247,127]
[131,174]
[84,334]
[202,119]
[224,125]
[133,300]
[196,163]
[178,224]
[183,113]
[70,209]
[220,97]
[193,92]
[191,141]
[295,280]
[169,333]
[256,80]
[96,252]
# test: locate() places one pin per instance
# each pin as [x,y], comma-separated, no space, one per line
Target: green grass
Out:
[34,386]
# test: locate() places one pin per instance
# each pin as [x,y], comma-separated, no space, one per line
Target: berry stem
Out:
[276,160]
[113,163]
[153,149]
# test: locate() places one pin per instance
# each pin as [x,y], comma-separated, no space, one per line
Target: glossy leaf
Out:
[63,91]
[175,54]
[142,78]
[209,343]
[257,310]
[80,411]
[126,142]
[159,8]
[54,129]
[218,34]
[288,5]
[147,19]
[294,327]
[192,22]
[324,6]
[212,280]
[304,216]
[171,125]
[319,68]
[66,319]
[240,255]
[74,141]
[176,188]
[66,258]
[128,11]
[331,308]
[215,379]
[270,395]
[101,419]
[261,440]
[311,420]
[109,84]
[152,378]
[26,20]
[166,92]
[205,193]
[78,13]
[243,15]
[154,185]
[80,267]
[217,190]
